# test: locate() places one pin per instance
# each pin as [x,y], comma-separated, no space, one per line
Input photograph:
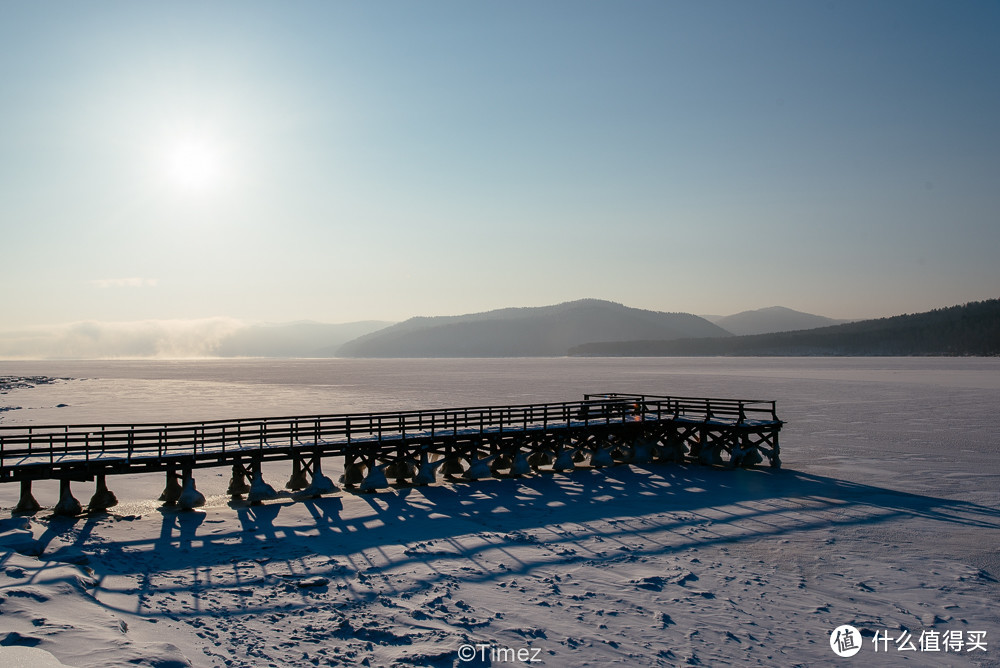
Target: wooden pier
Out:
[408,447]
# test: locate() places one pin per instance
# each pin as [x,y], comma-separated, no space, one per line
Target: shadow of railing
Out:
[671,509]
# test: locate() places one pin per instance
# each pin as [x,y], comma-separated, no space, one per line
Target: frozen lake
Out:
[886,516]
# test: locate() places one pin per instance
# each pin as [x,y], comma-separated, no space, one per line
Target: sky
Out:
[207,162]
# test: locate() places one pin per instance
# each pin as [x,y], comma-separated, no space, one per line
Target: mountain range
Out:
[598,328]
[526,332]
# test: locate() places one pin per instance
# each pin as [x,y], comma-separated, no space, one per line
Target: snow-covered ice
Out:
[886,516]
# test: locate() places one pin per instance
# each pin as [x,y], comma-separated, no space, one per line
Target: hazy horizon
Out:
[218,337]
[187,166]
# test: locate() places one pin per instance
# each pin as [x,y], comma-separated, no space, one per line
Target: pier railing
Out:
[741,410]
[25,445]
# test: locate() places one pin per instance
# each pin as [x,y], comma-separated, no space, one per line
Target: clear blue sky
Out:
[340,161]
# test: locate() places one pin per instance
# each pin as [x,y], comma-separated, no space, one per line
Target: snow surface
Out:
[885,516]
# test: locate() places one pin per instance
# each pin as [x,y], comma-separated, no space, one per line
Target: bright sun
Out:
[194,165]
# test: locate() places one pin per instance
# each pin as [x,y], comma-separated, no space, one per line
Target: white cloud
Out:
[133,282]
[140,338]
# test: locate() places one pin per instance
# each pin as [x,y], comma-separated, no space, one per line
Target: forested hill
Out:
[970,329]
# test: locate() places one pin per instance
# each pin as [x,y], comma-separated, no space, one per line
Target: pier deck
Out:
[409,446]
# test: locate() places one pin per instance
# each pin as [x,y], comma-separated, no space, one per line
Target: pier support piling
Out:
[539,458]
[426,474]
[68,506]
[320,484]
[353,472]
[601,458]
[238,483]
[564,461]
[103,497]
[190,498]
[26,505]
[642,450]
[172,491]
[520,465]
[375,479]
[480,468]
[259,490]
[452,467]
[298,480]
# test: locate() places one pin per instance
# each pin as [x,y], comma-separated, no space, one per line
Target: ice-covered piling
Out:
[190,497]
[103,497]
[601,457]
[564,460]
[298,480]
[260,490]
[238,485]
[452,466]
[353,471]
[374,480]
[320,484]
[67,505]
[520,465]
[480,468]
[172,491]
[26,504]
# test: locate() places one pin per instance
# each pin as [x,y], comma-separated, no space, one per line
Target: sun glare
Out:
[194,165]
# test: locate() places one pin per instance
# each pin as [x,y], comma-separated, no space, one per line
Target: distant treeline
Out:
[970,329]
